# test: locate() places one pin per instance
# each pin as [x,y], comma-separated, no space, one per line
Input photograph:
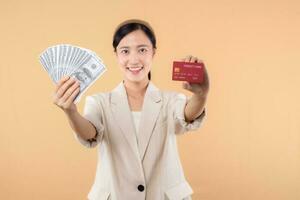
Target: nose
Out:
[133,59]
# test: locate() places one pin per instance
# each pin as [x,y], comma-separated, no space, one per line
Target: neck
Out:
[136,88]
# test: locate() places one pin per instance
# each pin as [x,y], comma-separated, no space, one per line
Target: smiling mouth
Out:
[135,69]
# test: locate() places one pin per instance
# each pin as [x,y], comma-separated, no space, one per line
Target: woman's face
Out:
[134,54]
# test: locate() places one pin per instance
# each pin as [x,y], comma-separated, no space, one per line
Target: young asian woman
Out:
[135,125]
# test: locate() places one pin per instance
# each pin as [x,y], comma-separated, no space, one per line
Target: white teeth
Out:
[135,69]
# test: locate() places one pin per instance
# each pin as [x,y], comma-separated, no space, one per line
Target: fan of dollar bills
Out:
[69,60]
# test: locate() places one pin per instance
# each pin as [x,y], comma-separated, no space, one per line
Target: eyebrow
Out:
[127,47]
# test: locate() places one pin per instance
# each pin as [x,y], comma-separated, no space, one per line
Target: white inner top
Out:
[136,119]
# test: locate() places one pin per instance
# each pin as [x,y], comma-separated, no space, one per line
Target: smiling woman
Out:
[141,33]
[136,124]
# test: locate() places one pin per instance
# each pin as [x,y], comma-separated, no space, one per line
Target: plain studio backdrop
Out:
[247,149]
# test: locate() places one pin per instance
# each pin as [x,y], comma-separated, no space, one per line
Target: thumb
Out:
[187,86]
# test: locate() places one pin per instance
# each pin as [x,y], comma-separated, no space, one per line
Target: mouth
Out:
[135,70]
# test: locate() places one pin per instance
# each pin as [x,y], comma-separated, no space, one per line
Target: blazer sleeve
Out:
[178,103]
[93,113]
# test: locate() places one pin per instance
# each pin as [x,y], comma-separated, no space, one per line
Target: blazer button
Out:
[141,188]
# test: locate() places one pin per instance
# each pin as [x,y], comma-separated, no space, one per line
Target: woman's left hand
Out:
[199,89]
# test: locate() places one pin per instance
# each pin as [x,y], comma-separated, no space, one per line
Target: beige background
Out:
[249,146]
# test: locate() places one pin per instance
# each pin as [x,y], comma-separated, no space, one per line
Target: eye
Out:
[143,50]
[124,51]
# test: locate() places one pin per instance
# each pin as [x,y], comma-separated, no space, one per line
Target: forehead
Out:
[134,39]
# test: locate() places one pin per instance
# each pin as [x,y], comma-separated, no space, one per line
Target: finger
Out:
[54,99]
[205,71]
[187,58]
[70,91]
[187,86]
[193,59]
[72,97]
[64,87]
[198,60]
[61,82]
[206,78]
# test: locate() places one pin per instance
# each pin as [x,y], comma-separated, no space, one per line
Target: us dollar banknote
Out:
[69,60]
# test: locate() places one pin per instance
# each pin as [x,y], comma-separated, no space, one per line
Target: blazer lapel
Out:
[122,113]
[150,111]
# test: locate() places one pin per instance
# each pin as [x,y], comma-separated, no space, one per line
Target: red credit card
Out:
[187,71]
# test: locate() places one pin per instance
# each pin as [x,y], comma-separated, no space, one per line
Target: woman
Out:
[136,124]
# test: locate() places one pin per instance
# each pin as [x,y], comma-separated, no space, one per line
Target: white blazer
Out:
[143,165]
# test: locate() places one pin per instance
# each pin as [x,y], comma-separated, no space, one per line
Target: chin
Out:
[136,79]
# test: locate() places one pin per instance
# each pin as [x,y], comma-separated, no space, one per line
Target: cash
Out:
[69,60]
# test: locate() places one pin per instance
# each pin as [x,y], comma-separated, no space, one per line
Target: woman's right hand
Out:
[66,91]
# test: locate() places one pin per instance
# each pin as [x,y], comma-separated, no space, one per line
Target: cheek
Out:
[122,62]
[148,61]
